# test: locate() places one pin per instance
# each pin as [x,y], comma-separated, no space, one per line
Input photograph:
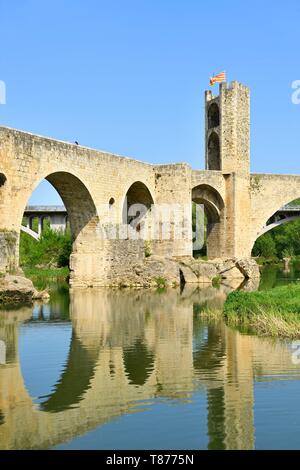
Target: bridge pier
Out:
[9,251]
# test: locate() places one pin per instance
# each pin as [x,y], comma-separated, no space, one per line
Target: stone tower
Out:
[227,129]
[227,150]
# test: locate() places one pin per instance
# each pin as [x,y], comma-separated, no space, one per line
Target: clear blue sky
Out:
[128,76]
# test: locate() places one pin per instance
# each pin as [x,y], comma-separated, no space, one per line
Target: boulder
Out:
[204,271]
[248,267]
[19,289]
[14,289]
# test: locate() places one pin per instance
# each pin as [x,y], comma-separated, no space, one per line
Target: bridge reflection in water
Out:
[132,347]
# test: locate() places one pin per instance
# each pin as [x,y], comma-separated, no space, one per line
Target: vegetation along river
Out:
[121,369]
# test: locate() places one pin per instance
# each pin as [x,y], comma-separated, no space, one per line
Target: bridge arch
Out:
[82,214]
[137,205]
[286,213]
[213,203]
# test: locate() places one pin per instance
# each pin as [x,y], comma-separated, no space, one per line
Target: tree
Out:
[265,246]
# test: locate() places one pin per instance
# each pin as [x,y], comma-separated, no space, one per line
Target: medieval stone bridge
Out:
[98,188]
[58,218]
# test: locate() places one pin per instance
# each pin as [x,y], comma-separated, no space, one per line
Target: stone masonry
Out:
[95,186]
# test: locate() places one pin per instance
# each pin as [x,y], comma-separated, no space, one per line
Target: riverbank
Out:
[42,278]
[274,312]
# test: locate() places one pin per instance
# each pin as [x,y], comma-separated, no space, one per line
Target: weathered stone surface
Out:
[204,271]
[16,289]
[159,270]
[232,273]
[249,268]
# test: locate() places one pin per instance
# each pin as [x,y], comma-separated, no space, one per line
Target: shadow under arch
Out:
[138,362]
[77,199]
[137,194]
[213,116]
[83,218]
[213,152]
[81,209]
[213,203]
[210,352]
[285,214]
[75,380]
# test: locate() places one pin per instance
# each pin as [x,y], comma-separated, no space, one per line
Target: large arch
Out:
[213,204]
[82,216]
[268,213]
[137,206]
[277,223]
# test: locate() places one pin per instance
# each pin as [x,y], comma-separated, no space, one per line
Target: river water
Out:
[103,369]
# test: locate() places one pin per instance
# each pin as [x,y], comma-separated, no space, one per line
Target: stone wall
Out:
[94,186]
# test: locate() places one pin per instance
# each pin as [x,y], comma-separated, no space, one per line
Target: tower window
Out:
[213,116]
[213,152]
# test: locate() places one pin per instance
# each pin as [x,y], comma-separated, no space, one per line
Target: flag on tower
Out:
[221,77]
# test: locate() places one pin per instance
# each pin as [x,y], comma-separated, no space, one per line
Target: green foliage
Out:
[265,246]
[285,298]
[53,249]
[161,282]
[203,251]
[48,278]
[216,281]
[275,312]
[282,241]
[147,249]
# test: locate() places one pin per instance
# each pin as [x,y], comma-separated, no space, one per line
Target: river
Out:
[119,369]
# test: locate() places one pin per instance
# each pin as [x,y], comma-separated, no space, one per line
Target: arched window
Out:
[213,152]
[213,116]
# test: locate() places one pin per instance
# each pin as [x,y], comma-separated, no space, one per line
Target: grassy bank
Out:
[45,262]
[44,278]
[274,313]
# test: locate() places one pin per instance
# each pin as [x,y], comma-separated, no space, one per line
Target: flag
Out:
[221,77]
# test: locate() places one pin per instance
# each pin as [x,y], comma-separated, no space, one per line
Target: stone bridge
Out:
[56,215]
[106,327]
[99,190]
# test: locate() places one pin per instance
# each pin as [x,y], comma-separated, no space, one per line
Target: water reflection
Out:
[274,275]
[127,352]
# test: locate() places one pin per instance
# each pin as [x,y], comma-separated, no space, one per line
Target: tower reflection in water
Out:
[125,352]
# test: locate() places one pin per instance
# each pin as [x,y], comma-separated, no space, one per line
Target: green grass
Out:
[45,278]
[274,313]
[53,250]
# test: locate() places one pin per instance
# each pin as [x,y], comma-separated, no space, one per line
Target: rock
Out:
[204,271]
[19,289]
[232,273]
[41,295]
[248,267]
[223,266]
[15,289]
[187,274]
